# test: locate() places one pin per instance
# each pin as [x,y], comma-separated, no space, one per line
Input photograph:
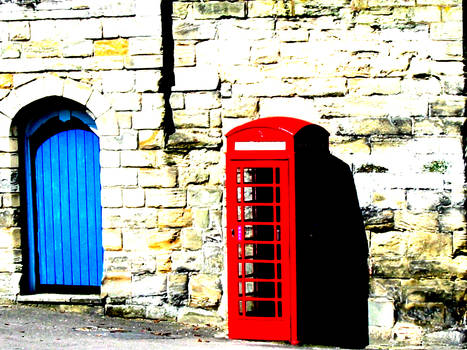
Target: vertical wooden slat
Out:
[74,219]
[90,207]
[98,209]
[41,246]
[65,207]
[56,212]
[81,208]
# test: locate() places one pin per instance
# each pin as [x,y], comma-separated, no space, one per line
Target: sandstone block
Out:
[127,140]
[144,46]
[149,285]
[42,49]
[138,158]
[113,47]
[111,197]
[183,261]
[193,175]
[213,259]
[112,239]
[191,119]
[77,91]
[6,81]
[175,217]
[107,124]
[200,196]
[10,238]
[125,311]
[82,48]
[125,101]
[381,312]
[189,139]
[147,80]
[446,31]
[407,333]
[8,144]
[191,239]
[191,30]
[240,107]
[166,197]
[219,9]
[133,198]
[163,177]
[143,62]
[423,222]
[151,139]
[164,261]
[202,100]
[166,240]
[19,31]
[326,87]
[204,290]
[390,244]
[375,126]
[177,288]
[380,86]
[119,177]
[195,79]
[201,217]
[428,245]
[109,159]
[184,54]
[116,284]
[118,81]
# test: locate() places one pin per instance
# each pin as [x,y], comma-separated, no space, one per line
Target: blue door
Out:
[66,215]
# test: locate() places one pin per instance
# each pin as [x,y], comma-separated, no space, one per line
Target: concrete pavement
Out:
[34,328]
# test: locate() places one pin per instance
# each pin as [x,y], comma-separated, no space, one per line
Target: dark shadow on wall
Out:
[332,250]
[168,76]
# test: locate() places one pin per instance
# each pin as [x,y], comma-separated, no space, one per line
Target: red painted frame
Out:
[263,131]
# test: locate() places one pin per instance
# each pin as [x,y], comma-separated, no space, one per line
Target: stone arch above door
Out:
[97,105]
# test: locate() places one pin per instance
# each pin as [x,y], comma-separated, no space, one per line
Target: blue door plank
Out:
[98,210]
[40,215]
[56,212]
[90,207]
[49,253]
[82,203]
[65,207]
[74,220]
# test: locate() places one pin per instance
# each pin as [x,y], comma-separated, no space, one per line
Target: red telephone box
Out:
[261,241]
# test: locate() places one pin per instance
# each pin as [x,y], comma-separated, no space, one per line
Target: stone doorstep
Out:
[87,299]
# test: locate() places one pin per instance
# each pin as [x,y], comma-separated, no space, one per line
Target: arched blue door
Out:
[64,217]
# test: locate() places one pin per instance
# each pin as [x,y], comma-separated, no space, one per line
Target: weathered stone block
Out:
[125,311]
[82,48]
[191,239]
[133,197]
[42,49]
[198,316]
[195,79]
[109,159]
[184,54]
[200,196]
[6,81]
[138,158]
[379,86]
[375,126]
[119,176]
[177,289]
[183,261]
[204,291]
[189,139]
[218,9]
[116,284]
[149,285]
[193,175]
[381,312]
[175,217]
[10,238]
[127,140]
[151,139]
[416,222]
[147,80]
[112,239]
[407,333]
[388,244]
[446,31]
[166,197]
[166,240]
[144,46]
[118,81]
[191,119]
[143,62]
[19,31]
[240,107]
[200,217]
[113,47]
[163,177]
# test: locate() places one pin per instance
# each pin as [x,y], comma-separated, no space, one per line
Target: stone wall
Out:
[385,78]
